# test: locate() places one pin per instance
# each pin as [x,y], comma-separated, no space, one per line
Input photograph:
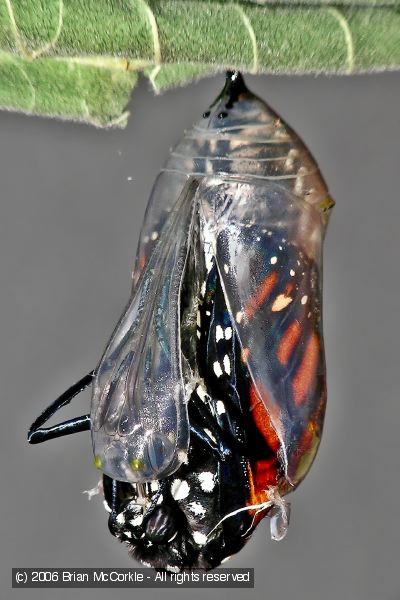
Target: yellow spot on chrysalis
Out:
[326,204]
[98,463]
[136,464]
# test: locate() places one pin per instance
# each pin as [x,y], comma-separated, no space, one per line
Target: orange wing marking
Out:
[288,342]
[306,372]
[263,292]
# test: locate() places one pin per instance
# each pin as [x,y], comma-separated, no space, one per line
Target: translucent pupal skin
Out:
[267,245]
[239,136]
[139,416]
[240,151]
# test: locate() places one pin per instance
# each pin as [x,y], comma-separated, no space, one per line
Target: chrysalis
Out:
[209,400]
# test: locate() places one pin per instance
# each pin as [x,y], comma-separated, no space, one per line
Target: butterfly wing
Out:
[267,245]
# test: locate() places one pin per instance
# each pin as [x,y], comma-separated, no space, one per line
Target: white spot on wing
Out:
[179,489]
[228,333]
[217,368]
[227,364]
[199,538]
[219,334]
[220,407]
[273,260]
[304,299]
[197,509]
[207,482]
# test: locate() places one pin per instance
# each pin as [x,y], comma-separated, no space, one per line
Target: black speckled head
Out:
[235,106]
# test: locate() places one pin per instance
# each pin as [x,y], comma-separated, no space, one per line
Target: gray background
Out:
[70,221]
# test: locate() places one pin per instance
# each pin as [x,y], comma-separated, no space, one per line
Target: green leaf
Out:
[66,89]
[79,59]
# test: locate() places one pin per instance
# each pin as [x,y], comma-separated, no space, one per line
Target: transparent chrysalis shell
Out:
[243,183]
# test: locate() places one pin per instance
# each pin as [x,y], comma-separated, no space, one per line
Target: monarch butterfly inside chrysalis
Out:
[208,403]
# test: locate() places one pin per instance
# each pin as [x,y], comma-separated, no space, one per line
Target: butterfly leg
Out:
[65,428]
[38,434]
[113,497]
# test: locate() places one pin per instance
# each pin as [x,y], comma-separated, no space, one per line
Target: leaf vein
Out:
[152,77]
[154,30]
[344,24]
[250,30]
[23,49]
